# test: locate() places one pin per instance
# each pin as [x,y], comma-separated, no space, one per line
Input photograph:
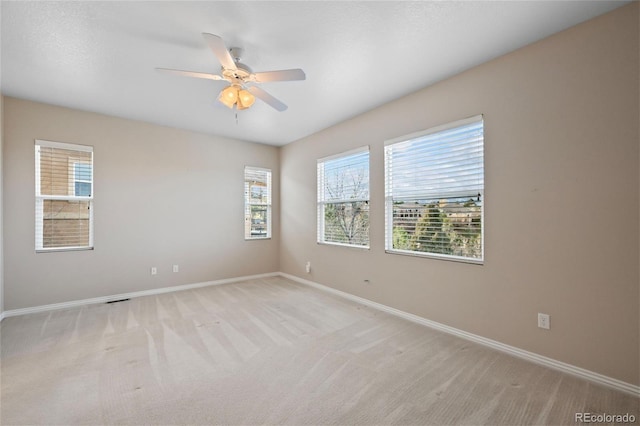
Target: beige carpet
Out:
[270,352]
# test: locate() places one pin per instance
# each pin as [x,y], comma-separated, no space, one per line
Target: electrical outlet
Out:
[154,270]
[308,267]
[176,268]
[544,321]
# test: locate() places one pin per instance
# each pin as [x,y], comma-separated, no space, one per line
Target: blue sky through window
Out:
[347,177]
[442,164]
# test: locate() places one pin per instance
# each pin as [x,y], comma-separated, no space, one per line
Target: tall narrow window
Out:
[64,196]
[257,203]
[343,199]
[434,192]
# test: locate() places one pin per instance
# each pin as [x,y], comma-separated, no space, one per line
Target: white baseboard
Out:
[151,292]
[511,350]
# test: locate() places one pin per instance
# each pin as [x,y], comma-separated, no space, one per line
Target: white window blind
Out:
[434,192]
[64,196]
[257,203]
[343,198]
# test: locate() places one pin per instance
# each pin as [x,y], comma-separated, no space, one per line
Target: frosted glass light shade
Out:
[245,99]
[229,96]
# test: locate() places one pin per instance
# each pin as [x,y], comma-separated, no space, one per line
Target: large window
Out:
[434,192]
[257,203]
[343,198]
[64,196]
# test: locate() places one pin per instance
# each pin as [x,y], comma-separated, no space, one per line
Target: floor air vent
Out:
[116,301]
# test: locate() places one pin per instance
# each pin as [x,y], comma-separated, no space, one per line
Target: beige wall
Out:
[162,197]
[1,208]
[562,185]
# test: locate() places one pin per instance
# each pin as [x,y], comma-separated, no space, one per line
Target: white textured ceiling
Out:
[101,56]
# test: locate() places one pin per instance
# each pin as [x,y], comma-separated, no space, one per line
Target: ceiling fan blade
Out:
[191,74]
[282,75]
[220,50]
[267,98]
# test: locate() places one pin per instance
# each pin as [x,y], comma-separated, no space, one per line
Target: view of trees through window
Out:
[347,222]
[447,226]
[343,188]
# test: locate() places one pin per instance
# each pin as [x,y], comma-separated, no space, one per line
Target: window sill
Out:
[352,246]
[60,249]
[437,257]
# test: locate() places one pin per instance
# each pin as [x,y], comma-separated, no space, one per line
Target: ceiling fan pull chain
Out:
[236,118]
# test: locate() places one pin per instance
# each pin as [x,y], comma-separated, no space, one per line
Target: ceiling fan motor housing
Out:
[240,75]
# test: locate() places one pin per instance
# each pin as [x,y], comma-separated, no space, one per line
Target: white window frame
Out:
[248,203]
[40,198]
[322,198]
[389,198]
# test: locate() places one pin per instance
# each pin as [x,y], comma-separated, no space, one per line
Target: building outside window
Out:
[82,179]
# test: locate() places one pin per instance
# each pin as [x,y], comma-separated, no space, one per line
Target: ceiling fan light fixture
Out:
[229,96]
[236,95]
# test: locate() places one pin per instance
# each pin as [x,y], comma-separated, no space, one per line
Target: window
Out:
[434,192]
[343,199]
[64,196]
[257,203]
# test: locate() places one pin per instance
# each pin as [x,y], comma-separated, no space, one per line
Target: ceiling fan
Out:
[242,90]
